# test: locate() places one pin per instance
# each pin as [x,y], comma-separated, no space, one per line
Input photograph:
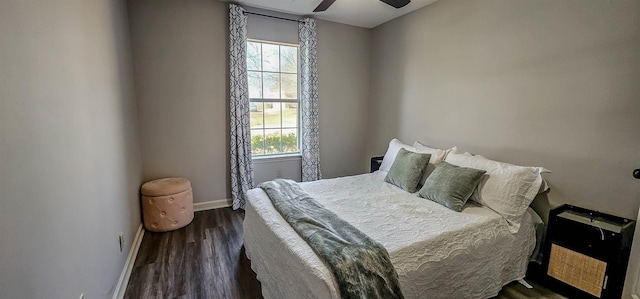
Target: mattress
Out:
[437,253]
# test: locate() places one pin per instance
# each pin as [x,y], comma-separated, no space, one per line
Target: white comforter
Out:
[437,253]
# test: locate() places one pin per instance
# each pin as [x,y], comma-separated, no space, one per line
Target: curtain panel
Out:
[310,143]
[239,111]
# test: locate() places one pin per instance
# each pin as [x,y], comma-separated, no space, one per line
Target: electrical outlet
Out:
[278,173]
[121,242]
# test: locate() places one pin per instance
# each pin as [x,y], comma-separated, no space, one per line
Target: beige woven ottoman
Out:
[167,204]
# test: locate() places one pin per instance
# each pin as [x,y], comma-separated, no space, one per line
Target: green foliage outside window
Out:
[272,144]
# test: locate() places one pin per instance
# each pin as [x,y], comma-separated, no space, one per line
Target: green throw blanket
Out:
[360,265]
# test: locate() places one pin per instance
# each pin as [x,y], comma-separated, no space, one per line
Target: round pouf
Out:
[167,204]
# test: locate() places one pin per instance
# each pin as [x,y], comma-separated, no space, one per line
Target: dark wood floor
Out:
[206,259]
[202,260]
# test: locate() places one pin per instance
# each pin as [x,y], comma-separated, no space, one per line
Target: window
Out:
[272,71]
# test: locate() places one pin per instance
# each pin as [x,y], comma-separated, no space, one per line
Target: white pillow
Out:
[506,188]
[437,155]
[544,187]
[394,147]
[454,149]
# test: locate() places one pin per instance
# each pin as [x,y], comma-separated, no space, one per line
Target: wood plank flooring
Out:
[206,259]
[202,260]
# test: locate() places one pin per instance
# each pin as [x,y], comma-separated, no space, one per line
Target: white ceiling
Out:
[362,13]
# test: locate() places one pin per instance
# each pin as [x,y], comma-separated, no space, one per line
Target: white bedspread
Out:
[437,253]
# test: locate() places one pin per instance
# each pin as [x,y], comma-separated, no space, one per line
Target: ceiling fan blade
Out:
[397,3]
[324,5]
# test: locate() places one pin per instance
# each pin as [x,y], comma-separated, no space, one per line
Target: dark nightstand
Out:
[587,252]
[375,163]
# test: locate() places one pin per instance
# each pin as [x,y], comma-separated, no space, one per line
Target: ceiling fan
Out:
[395,3]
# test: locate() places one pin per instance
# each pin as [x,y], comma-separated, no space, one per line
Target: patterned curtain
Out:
[241,163]
[309,101]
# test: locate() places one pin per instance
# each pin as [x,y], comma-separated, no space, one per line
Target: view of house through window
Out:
[273,92]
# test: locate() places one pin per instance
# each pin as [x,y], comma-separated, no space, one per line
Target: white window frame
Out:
[282,102]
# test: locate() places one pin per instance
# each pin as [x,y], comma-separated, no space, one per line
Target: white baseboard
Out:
[213,204]
[121,287]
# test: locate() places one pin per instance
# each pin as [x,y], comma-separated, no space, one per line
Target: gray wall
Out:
[180,62]
[180,70]
[541,83]
[270,29]
[69,153]
[343,74]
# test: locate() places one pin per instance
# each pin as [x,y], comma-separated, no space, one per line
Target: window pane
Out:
[271,86]
[272,115]
[257,142]
[255,84]
[288,59]
[272,144]
[290,115]
[289,140]
[289,86]
[254,55]
[270,58]
[257,120]
[272,72]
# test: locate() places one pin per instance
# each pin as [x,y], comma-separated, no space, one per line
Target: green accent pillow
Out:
[407,169]
[451,185]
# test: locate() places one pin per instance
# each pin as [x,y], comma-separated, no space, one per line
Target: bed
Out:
[437,252]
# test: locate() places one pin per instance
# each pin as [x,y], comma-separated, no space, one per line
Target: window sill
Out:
[277,158]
